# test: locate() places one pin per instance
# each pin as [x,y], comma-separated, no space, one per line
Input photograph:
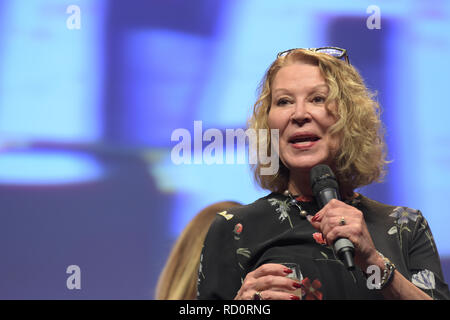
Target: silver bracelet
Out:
[388,272]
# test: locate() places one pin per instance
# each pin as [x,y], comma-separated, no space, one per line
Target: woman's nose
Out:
[300,113]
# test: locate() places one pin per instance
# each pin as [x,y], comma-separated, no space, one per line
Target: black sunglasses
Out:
[331,51]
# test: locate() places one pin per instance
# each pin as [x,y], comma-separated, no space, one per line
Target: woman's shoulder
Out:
[387,211]
[256,209]
[372,204]
[231,221]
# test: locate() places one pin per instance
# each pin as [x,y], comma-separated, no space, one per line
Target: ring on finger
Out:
[257,296]
[342,221]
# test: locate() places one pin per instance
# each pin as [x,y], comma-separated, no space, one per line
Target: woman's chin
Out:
[305,164]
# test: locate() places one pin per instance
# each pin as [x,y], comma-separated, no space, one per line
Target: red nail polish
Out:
[293,297]
[296,285]
[287,270]
[315,218]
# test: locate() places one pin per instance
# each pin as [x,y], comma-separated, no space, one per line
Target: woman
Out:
[178,280]
[325,115]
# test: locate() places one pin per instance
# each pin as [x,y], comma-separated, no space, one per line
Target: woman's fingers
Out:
[331,223]
[339,232]
[271,295]
[334,214]
[339,220]
[278,295]
[271,276]
[277,283]
[274,269]
[271,282]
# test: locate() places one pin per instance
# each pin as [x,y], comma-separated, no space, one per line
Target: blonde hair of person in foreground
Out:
[178,279]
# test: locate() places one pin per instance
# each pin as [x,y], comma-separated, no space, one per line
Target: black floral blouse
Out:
[271,230]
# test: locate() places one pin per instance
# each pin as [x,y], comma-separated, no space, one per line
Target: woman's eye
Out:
[318,99]
[282,102]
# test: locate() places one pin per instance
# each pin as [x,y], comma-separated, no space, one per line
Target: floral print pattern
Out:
[427,232]
[407,227]
[318,237]
[226,215]
[401,224]
[310,290]
[243,252]
[403,215]
[283,208]
[425,280]
[237,230]
[403,218]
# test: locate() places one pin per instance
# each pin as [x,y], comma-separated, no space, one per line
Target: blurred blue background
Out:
[88,106]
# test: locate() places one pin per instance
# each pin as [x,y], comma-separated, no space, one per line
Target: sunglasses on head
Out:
[336,52]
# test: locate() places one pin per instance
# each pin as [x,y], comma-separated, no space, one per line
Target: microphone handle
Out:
[343,247]
[345,250]
[326,195]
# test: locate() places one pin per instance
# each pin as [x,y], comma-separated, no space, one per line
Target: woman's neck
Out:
[299,185]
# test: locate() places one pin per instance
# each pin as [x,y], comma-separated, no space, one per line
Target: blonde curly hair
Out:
[361,157]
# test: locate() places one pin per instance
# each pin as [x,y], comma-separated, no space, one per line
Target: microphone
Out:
[325,187]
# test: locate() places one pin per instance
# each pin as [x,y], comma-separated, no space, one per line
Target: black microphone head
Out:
[322,177]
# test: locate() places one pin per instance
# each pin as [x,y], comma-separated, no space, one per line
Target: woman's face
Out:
[298,110]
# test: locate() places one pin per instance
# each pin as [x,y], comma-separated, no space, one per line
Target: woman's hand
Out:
[340,220]
[270,281]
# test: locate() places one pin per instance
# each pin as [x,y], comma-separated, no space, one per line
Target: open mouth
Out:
[303,139]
